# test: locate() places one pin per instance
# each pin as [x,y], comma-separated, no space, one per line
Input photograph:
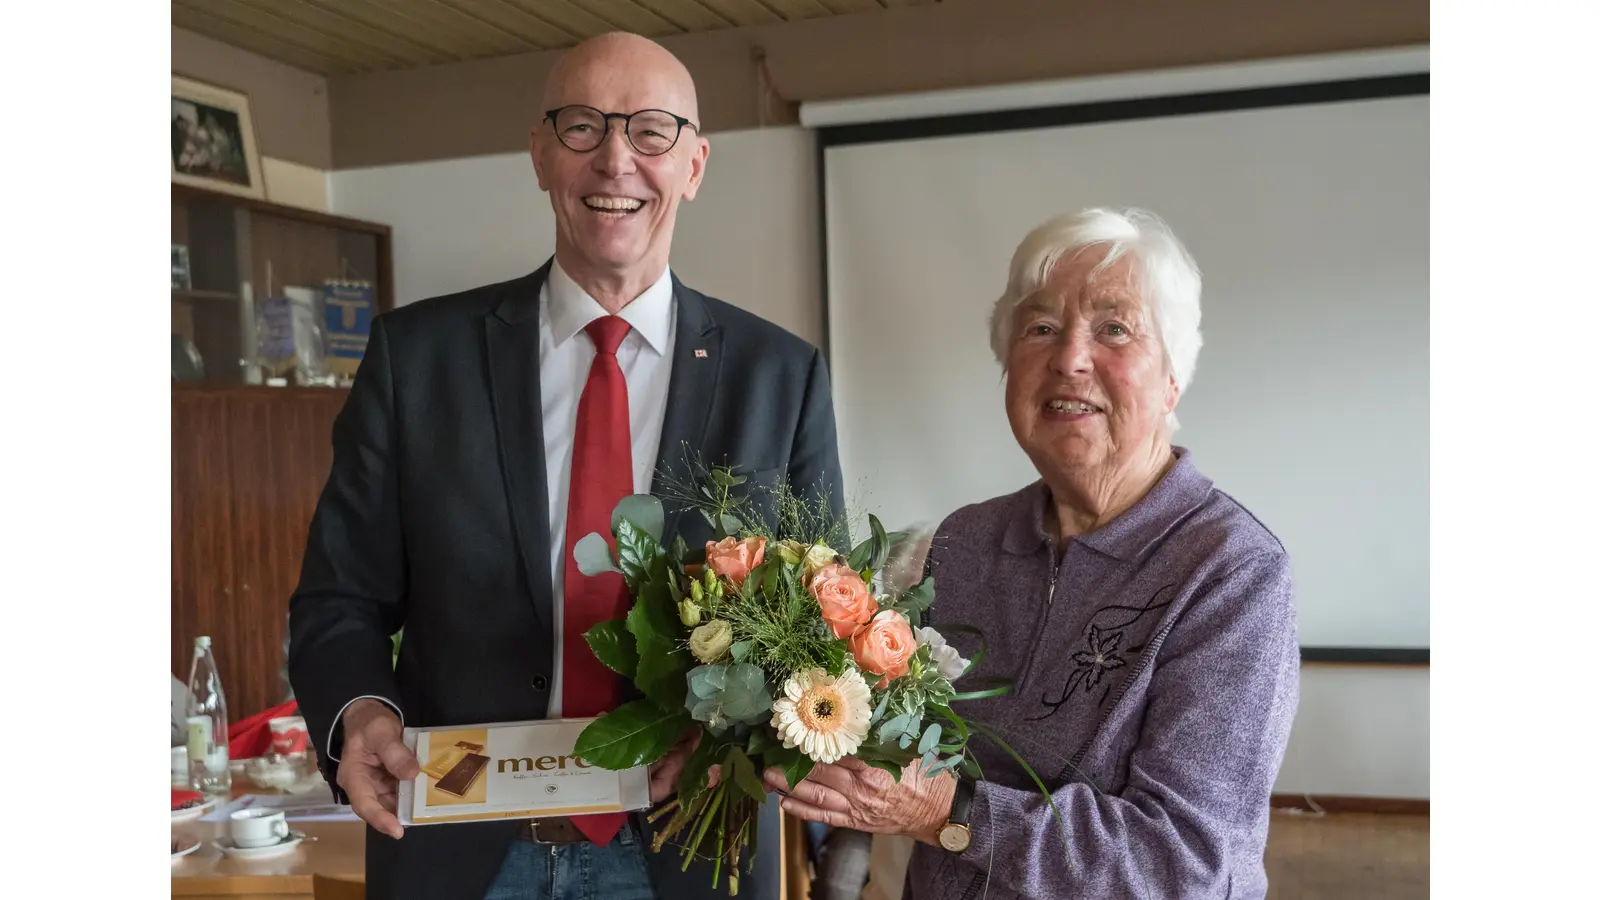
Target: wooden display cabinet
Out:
[249,461]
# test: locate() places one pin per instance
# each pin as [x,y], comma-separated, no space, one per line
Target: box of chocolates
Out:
[516,770]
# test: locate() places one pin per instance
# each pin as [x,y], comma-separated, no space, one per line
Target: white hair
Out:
[1166,275]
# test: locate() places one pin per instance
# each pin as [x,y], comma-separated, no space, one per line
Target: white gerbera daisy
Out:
[826,717]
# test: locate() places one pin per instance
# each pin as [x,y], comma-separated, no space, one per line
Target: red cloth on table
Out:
[252,737]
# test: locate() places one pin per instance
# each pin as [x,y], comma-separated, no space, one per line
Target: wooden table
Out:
[339,849]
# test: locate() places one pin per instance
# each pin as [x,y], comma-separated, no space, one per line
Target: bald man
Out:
[456,495]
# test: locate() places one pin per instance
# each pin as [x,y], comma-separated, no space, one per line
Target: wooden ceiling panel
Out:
[335,37]
[741,12]
[572,16]
[210,25]
[687,15]
[515,20]
[796,10]
[284,29]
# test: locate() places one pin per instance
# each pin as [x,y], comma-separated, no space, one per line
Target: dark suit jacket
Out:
[434,518]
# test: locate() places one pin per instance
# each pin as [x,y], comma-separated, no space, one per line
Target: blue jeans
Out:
[580,871]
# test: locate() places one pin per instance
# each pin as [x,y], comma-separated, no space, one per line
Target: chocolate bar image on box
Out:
[447,759]
[460,779]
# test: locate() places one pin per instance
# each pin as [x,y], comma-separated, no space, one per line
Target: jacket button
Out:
[541,683]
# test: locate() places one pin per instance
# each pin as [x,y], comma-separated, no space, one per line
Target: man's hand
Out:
[664,772]
[372,763]
[851,794]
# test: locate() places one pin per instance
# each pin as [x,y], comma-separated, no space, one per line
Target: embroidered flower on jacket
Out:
[1101,657]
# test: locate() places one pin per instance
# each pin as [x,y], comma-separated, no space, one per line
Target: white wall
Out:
[1361,731]
[751,239]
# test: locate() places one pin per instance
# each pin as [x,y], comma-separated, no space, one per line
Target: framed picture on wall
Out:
[214,139]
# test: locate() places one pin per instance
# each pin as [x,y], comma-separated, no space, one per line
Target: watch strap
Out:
[961,803]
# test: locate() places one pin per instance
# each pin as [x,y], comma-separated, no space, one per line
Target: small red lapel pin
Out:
[699,354]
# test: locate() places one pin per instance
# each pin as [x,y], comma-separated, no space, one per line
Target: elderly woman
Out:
[1144,617]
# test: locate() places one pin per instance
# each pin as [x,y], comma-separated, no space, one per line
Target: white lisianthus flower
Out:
[711,640]
[950,663]
[826,717]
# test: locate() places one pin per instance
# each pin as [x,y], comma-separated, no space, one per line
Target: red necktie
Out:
[602,474]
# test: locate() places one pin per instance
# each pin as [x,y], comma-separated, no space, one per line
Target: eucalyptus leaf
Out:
[707,682]
[593,555]
[614,646]
[894,728]
[731,524]
[633,734]
[644,511]
[883,707]
[930,738]
[929,757]
[740,650]
[905,740]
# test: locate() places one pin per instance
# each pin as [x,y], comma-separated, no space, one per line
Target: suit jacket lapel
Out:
[696,368]
[512,344]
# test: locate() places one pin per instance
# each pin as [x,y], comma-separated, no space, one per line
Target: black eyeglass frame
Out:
[627,121]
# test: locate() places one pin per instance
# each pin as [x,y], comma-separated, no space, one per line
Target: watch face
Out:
[955,838]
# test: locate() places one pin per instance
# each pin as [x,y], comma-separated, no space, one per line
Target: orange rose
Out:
[733,559]
[846,603]
[885,646]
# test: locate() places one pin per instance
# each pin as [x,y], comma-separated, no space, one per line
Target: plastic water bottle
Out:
[207,716]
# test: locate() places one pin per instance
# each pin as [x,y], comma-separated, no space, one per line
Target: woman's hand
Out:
[852,794]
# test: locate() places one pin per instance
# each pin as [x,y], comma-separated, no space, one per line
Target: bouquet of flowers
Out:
[782,651]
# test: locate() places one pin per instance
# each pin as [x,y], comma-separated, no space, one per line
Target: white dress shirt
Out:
[565,354]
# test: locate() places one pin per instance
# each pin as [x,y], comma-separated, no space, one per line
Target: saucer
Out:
[189,814]
[230,850]
[183,845]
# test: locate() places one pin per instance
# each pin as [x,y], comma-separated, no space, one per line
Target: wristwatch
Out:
[955,835]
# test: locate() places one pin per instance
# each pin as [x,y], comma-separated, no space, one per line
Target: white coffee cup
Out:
[257,827]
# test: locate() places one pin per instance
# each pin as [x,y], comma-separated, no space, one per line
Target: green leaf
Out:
[694,776]
[593,555]
[930,739]
[759,742]
[929,757]
[838,651]
[861,557]
[744,775]
[663,663]
[917,599]
[794,763]
[887,766]
[880,544]
[614,646]
[905,740]
[731,524]
[797,769]
[740,650]
[644,511]
[636,552]
[633,734]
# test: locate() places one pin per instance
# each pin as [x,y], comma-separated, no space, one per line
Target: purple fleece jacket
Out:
[1156,673]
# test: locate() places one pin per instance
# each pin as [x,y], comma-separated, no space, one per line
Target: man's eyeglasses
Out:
[652,132]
